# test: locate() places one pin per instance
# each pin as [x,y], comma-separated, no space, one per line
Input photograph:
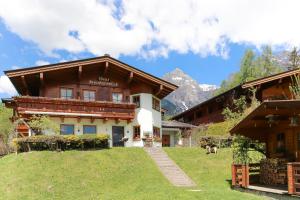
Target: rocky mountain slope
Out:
[189,93]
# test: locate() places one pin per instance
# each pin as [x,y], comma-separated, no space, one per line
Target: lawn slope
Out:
[118,173]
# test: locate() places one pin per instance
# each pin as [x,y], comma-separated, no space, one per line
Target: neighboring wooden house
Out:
[97,95]
[276,122]
[274,87]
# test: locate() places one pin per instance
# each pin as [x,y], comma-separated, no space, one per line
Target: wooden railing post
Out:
[233,175]
[293,172]
[245,172]
[240,175]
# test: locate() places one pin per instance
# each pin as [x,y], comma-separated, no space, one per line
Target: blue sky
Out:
[17,53]
[204,38]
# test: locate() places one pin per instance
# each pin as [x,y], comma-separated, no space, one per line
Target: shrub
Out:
[247,151]
[60,142]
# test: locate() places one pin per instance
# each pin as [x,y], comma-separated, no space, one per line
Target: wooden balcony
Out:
[27,105]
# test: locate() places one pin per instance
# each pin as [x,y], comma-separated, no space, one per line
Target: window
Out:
[156,132]
[136,132]
[66,93]
[155,104]
[189,118]
[210,109]
[66,129]
[199,114]
[89,129]
[136,100]
[280,143]
[89,95]
[117,97]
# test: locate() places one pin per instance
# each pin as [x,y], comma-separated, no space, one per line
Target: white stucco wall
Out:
[146,117]
[173,135]
[102,127]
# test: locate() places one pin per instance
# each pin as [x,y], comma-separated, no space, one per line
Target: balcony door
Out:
[117,135]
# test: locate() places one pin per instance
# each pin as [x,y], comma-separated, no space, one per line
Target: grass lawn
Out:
[118,173]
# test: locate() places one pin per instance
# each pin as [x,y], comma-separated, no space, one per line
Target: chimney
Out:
[106,54]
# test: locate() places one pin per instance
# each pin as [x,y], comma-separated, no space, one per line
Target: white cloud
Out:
[15,67]
[152,27]
[6,87]
[41,62]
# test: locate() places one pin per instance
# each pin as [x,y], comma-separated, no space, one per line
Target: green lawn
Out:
[118,173]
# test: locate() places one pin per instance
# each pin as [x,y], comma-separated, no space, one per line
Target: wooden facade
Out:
[275,87]
[89,85]
[210,111]
[275,123]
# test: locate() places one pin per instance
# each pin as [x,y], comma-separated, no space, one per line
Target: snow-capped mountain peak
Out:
[207,87]
[189,93]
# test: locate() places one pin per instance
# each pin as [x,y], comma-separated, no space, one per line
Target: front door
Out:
[117,136]
[166,140]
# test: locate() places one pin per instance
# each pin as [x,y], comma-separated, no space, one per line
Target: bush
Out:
[221,142]
[60,142]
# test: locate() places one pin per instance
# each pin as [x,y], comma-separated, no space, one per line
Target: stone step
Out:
[169,168]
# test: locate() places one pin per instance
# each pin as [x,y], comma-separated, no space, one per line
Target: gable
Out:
[31,78]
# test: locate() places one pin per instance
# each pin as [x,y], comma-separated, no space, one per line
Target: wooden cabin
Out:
[276,124]
[97,95]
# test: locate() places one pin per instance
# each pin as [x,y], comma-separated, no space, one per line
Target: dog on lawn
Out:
[211,149]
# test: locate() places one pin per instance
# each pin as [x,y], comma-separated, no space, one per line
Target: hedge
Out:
[61,142]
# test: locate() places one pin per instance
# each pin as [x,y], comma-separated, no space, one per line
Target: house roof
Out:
[13,74]
[206,102]
[176,124]
[280,110]
[270,78]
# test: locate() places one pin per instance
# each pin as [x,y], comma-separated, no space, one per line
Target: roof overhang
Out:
[270,78]
[177,124]
[163,87]
[258,121]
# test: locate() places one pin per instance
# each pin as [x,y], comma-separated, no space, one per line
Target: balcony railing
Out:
[74,107]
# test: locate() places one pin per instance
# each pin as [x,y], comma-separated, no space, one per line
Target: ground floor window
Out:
[156,132]
[89,129]
[66,129]
[136,132]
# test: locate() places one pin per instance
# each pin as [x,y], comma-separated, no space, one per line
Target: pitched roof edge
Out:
[10,73]
[200,104]
[270,78]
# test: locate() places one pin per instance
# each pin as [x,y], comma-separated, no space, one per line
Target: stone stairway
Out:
[169,168]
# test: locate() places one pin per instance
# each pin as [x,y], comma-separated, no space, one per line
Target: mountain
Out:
[189,93]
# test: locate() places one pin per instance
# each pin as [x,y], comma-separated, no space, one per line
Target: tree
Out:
[295,86]
[252,67]
[294,59]
[6,125]
[247,69]
[266,64]
[43,124]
